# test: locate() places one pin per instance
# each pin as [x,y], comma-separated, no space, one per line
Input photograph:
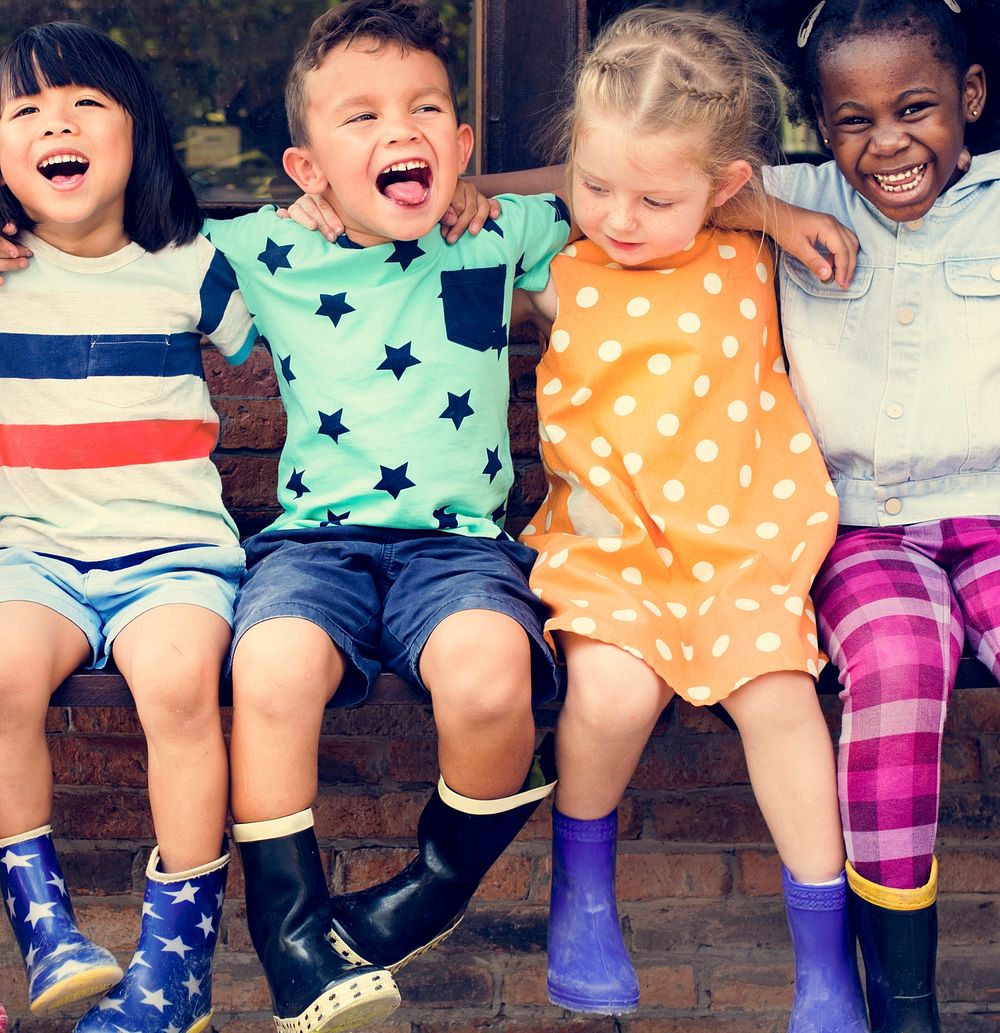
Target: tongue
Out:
[63,180]
[407,191]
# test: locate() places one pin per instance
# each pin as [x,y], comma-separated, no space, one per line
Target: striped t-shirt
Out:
[106,425]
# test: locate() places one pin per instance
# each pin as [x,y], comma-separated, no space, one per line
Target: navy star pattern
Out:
[405,253]
[458,408]
[399,360]
[295,483]
[446,521]
[275,256]
[561,211]
[394,481]
[499,513]
[286,368]
[332,425]
[492,226]
[334,307]
[334,519]
[519,268]
[493,464]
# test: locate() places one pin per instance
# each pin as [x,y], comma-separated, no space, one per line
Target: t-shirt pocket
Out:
[820,314]
[124,371]
[976,281]
[473,301]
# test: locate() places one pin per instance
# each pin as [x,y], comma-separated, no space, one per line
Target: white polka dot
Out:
[559,341]
[713,283]
[587,297]
[633,575]
[634,652]
[668,424]
[553,387]
[779,366]
[583,625]
[746,476]
[784,489]
[652,607]
[726,251]
[702,386]
[703,571]
[740,682]
[706,529]
[780,589]
[555,433]
[762,272]
[738,411]
[730,347]
[663,649]
[720,645]
[748,310]
[797,551]
[530,529]
[538,592]
[625,616]
[609,544]
[800,443]
[812,668]
[748,562]
[673,491]
[610,351]
[756,372]
[818,518]
[666,556]
[582,396]
[570,249]
[747,605]
[559,558]
[688,245]
[542,432]
[767,530]
[601,447]
[763,337]
[599,476]
[542,557]
[766,401]
[659,521]
[718,515]
[706,450]
[793,604]
[625,405]
[689,322]
[811,639]
[769,642]
[756,439]
[699,692]
[678,610]
[659,364]
[583,604]
[637,307]
[548,520]
[687,650]
[706,606]
[633,462]
[830,489]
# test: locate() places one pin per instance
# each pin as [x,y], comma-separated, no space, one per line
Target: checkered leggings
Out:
[893,606]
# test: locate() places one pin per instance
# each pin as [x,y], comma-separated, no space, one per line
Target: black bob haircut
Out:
[160,206]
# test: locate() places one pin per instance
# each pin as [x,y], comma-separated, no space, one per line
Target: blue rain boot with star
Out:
[61,964]
[168,985]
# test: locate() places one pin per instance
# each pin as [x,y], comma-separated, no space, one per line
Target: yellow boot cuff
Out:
[893,899]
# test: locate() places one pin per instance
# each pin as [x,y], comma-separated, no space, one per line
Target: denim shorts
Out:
[101,598]
[380,592]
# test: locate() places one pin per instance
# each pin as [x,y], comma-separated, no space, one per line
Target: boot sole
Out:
[345,951]
[590,1006]
[347,1005]
[79,987]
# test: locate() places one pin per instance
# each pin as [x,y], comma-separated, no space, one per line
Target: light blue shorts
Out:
[101,598]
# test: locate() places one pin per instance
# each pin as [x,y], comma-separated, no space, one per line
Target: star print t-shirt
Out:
[392,364]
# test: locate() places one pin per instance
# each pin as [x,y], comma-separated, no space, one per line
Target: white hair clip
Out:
[810,20]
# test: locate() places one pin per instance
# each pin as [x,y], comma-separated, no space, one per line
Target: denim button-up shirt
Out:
[899,374]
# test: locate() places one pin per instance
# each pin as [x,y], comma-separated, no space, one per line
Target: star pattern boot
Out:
[167,987]
[62,966]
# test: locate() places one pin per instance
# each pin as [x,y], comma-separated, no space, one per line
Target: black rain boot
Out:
[458,840]
[288,914]
[897,930]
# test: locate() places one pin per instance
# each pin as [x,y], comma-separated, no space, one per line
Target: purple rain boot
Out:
[589,967]
[828,997]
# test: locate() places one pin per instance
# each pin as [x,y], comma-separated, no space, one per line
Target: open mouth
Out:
[406,183]
[61,168]
[901,182]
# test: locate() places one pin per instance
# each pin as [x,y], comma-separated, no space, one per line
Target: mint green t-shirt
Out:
[392,364]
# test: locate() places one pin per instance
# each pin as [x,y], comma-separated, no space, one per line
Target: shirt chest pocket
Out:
[126,371]
[976,285]
[821,314]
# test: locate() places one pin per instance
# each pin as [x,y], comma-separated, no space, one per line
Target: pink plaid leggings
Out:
[893,605]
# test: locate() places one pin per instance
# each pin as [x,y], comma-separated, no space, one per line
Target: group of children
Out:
[695,489]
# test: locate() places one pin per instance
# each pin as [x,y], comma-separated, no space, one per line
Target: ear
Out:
[466,140]
[974,92]
[733,178]
[300,165]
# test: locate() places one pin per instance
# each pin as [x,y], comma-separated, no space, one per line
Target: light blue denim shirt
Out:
[899,374]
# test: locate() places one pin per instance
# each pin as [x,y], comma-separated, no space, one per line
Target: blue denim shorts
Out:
[101,598]
[380,592]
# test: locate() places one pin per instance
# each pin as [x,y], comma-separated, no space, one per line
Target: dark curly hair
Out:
[957,40]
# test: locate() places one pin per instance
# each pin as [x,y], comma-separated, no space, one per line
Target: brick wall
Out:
[697,875]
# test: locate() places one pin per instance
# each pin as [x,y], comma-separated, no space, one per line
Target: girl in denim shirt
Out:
[899,376]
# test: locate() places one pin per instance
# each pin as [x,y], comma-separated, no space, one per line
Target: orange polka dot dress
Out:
[688,507]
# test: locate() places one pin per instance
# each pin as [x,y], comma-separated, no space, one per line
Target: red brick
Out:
[255,378]
[969,814]
[102,814]
[975,710]
[359,868]
[692,763]
[667,986]
[257,423]
[969,871]
[651,876]
[758,873]
[99,760]
[960,760]
[710,817]
[248,480]
[522,421]
[412,760]
[751,987]
[343,761]
[101,720]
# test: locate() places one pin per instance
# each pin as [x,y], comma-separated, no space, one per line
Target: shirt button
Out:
[893,506]
[895,411]
[905,316]
[995,272]
[916,224]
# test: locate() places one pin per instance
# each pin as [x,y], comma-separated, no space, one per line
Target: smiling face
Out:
[66,155]
[643,198]
[384,145]
[895,117]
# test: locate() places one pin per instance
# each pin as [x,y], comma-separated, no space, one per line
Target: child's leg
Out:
[612,703]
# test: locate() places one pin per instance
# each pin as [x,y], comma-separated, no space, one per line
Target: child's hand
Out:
[315,213]
[817,240]
[12,256]
[469,210]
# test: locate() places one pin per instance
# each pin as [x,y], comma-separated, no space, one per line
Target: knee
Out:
[619,709]
[891,672]
[25,689]
[176,692]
